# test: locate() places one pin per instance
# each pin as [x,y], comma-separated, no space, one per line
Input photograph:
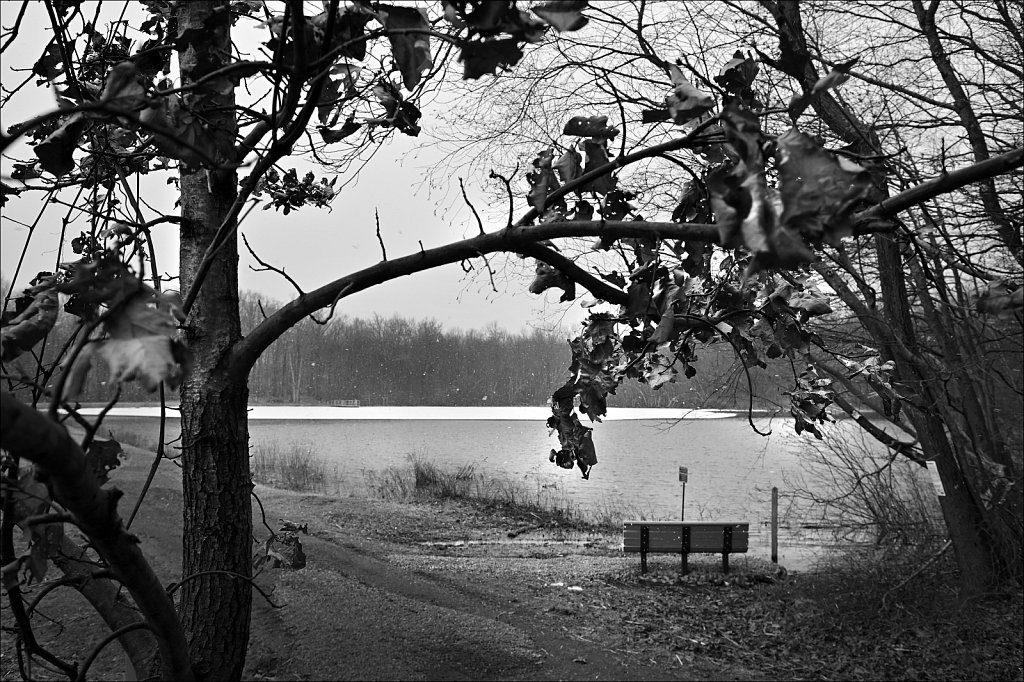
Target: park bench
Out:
[685,538]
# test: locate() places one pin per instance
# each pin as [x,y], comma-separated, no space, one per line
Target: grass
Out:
[295,467]
[146,441]
[424,480]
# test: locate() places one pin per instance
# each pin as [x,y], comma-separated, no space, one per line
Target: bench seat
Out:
[684,538]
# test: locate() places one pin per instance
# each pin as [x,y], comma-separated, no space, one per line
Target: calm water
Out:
[731,468]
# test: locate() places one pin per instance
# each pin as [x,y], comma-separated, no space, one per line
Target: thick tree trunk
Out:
[216,566]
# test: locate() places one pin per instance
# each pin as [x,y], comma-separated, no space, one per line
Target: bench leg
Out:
[725,562]
[685,563]
[643,562]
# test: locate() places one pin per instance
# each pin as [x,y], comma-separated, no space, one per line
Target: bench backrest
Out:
[667,536]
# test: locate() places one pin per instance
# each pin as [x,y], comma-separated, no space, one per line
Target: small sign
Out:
[682,474]
[936,480]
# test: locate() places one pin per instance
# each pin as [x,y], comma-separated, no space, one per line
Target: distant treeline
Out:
[398,361]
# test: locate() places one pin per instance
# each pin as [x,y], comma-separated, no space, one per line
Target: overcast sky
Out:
[313,245]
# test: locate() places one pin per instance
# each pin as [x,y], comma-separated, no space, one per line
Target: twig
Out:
[267,266]
[508,191]
[90,433]
[104,642]
[383,252]
[173,587]
[479,223]
[156,461]
[334,304]
[490,272]
[263,512]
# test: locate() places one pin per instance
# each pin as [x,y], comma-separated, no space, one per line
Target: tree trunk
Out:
[969,532]
[215,604]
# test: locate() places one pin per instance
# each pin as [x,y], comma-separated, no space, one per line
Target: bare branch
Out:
[380,240]
[479,223]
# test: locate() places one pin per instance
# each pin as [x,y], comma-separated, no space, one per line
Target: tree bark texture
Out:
[216,566]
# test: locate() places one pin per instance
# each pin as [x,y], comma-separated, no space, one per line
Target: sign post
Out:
[683,475]
[775,525]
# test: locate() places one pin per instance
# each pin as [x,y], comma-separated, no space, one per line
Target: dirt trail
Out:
[406,591]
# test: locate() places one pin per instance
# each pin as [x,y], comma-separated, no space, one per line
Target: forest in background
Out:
[401,361]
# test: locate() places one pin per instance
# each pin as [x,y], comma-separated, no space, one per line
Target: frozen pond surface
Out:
[731,468]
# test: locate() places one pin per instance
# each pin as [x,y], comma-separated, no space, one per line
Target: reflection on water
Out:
[731,468]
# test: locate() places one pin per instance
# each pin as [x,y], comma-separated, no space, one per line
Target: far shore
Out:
[424,412]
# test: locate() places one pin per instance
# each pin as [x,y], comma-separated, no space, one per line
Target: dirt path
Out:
[407,591]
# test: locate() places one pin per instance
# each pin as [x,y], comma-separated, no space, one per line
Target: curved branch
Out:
[947,182]
[29,434]
[595,285]
[514,240]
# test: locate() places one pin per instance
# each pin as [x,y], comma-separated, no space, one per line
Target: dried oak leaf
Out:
[411,50]
[818,188]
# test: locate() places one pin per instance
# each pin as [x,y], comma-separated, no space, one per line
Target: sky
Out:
[314,246]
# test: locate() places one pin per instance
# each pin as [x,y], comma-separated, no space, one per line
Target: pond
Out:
[731,469]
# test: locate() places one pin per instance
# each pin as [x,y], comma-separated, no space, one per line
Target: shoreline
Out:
[426,413]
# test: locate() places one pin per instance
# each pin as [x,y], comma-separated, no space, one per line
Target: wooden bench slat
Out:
[666,536]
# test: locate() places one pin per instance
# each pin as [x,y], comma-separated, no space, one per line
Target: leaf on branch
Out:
[740,197]
[103,456]
[32,498]
[809,402]
[568,167]
[123,89]
[331,135]
[693,205]
[738,74]
[50,64]
[659,367]
[583,210]
[837,76]
[149,359]
[547,277]
[140,337]
[32,324]
[186,130]
[57,152]
[616,205]
[489,18]
[543,182]
[399,113]
[349,30]
[818,188]
[654,115]
[329,96]
[576,440]
[812,302]
[563,15]
[410,44]
[597,156]
[590,126]
[686,102]
[481,57]
[663,332]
